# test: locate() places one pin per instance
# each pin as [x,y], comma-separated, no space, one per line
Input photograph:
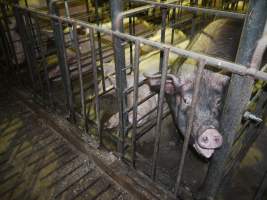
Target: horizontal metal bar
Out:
[216,12]
[137,10]
[216,62]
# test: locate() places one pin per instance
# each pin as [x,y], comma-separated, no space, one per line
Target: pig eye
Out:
[218,102]
[187,100]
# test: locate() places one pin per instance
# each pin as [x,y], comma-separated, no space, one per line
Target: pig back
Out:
[219,39]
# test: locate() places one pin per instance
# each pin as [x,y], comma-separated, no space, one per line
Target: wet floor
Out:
[36,163]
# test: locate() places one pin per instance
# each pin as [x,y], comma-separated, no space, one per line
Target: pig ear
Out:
[172,86]
[217,80]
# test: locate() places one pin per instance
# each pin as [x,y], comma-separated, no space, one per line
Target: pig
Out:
[148,64]
[143,108]
[83,35]
[179,36]
[219,39]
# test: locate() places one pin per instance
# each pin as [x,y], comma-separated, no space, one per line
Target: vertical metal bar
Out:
[192,111]
[62,58]
[163,30]
[239,93]
[4,46]
[121,83]
[87,9]
[32,42]
[99,42]
[39,43]
[135,100]
[78,58]
[173,22]
[131,32]
[193,28]
[158,129]
[262,188]
[67,15]
[22,31]
[5,17]
[134,31]
[93,55]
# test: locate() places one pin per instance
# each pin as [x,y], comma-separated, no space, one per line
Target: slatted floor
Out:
[36,163]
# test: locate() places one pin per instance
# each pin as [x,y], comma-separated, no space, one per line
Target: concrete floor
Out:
[36,163]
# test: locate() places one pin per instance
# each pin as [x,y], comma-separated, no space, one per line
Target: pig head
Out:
[219,39]
[205,136]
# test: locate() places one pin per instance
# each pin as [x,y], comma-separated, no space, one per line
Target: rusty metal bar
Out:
[97,106]
[78,59]
[189,127]
[61,52]
[158,129]
[135,100]
[239,93]
[121,82]
[194,9]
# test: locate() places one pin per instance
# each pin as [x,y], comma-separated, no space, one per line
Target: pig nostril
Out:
[205,139]
[217,140]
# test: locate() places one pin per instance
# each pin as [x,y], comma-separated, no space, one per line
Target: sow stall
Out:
[72,79]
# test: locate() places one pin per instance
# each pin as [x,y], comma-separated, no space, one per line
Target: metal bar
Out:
[216,62]
[5,17]
[189,127]
[262,188]
[135,100]
[93,55]
[162,37]
[61,51]
[158,129]
[215,12]
[78,58]
[100,47]
[121,82]
[42,51]
[31,43]
[238,96]
[67,15]
[131,33]
[21,26]
[135,11]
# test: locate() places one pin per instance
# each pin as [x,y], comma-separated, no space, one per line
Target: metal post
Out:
[59,39]
[199,73]
[262,188]
[121,82]
[27,50]
[163,31]
[239,93]
[135,103]
[158,129]
[12,48]
[97,104]
[99,42]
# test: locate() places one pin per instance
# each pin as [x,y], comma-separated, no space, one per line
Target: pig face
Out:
[179,91]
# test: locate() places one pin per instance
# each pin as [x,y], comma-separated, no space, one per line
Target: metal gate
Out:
[86,70]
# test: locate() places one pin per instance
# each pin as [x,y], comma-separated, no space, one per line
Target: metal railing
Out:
[28,17]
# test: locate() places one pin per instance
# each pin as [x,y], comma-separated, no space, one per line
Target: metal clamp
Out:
[250,116]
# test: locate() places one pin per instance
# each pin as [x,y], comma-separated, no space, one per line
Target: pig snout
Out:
[210,139]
